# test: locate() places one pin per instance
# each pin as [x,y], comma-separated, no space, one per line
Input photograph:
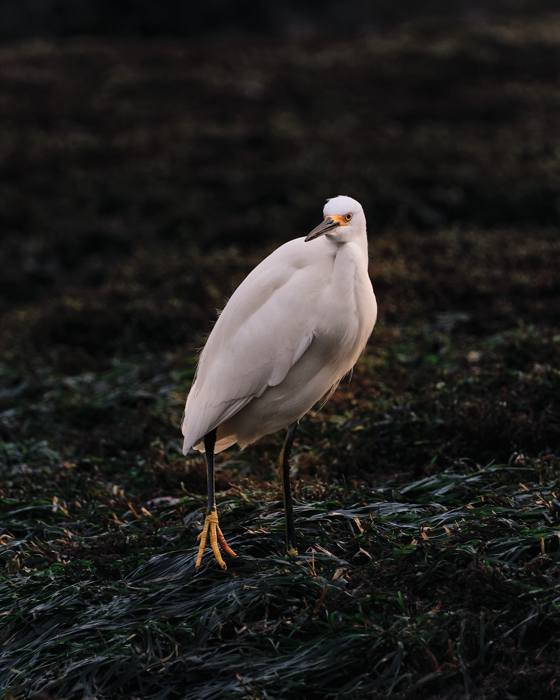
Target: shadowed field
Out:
[140,183]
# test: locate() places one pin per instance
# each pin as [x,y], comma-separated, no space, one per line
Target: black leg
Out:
[284,463]
[211,527]
[209,443]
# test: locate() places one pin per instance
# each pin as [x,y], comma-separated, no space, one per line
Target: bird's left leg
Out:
[284,464]
[211,525]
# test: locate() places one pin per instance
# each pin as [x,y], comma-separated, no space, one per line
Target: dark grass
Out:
[441,584]
[427,495]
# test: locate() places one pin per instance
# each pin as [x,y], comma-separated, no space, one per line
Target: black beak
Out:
[326,225]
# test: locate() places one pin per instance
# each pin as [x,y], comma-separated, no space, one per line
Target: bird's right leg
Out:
[211,524]
[284,465]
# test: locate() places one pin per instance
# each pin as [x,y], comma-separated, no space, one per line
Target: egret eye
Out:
[348,217]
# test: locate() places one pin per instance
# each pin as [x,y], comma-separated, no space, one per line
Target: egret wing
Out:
[265,328]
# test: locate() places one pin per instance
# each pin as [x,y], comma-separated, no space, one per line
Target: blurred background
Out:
[151,154]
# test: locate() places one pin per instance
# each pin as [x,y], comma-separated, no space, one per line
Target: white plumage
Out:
[289,333]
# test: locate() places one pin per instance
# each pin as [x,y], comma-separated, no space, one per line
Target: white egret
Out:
[290,332]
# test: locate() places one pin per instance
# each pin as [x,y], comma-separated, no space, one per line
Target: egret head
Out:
[344,220]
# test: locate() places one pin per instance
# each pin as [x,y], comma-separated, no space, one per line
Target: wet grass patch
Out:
[409,589]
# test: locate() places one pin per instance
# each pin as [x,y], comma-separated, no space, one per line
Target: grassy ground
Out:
[140,184]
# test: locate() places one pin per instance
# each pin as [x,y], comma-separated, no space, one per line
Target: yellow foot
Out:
[212,526]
